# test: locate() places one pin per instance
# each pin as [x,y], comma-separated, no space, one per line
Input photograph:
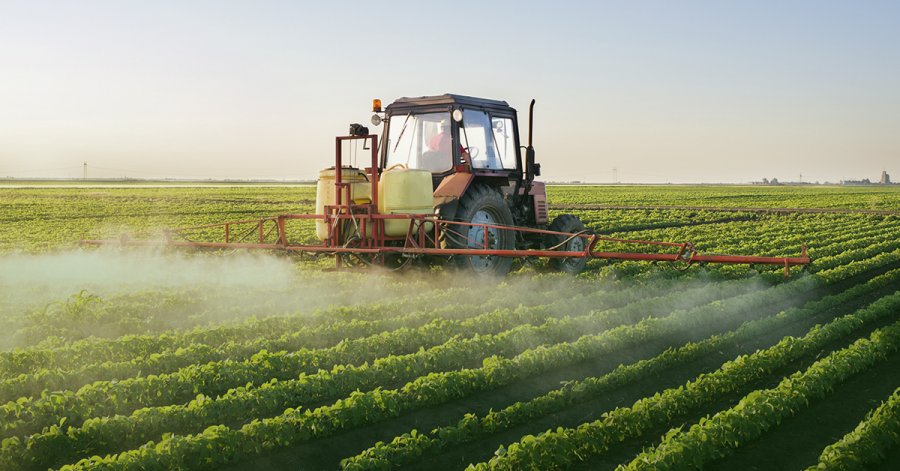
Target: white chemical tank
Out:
[360,193]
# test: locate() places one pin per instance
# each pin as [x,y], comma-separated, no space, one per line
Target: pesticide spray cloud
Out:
[42,291]
[111,271]
[112,292]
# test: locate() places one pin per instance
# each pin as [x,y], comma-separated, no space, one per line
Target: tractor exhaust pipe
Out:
[530,123]
[531,170]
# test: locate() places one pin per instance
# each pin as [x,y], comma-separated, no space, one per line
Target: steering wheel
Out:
[473,152]
[395,166]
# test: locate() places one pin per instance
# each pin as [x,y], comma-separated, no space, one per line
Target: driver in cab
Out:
[440,142]
[439,147]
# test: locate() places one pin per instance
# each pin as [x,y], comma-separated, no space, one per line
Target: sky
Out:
[640,91]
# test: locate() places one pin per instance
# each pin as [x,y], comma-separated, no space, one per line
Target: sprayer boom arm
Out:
[270,234]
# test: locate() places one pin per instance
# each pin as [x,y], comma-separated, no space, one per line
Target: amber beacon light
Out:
[376,105]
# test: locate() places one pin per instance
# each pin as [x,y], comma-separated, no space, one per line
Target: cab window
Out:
[420,141]
[488,147]
[505,142]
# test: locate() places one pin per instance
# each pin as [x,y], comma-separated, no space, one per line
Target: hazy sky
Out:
[663,91]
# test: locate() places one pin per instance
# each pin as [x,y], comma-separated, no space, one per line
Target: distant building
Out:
[885,178]
[774,181]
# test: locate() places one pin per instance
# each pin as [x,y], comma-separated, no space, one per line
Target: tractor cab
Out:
[470,149]
[462,141]
[449,133]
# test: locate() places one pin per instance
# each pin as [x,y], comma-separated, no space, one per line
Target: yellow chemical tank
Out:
[404,191]
[360,192]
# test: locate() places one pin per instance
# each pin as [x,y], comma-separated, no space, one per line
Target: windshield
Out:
[420,141]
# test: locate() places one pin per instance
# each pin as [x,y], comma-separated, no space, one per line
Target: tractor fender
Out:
[539,195]
[451,188]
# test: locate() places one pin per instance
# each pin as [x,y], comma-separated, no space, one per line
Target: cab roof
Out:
[448,99]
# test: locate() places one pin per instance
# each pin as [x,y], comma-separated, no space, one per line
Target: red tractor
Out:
[473,150]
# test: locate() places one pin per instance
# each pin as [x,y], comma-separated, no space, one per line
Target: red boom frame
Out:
[372,240]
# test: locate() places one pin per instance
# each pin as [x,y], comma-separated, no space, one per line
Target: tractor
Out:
[481,174]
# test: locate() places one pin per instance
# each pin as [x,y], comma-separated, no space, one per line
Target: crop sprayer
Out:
[448,182]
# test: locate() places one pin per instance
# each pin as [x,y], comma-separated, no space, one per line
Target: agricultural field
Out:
[115,358]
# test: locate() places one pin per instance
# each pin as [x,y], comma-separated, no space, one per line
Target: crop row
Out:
[749,239]
[221,444]
[353,342]
[168,360]
[413,445]
[867,443]
[563,446]
[836,245]
[53,217]
[92,352]
[730,197]
[272,398]
[787,224]
[100,399]
[789,236]
[811,231]
[839,243]
[116,397]
[638,220]
[763,230]
[422,297]
[210,299]
[99,350]
[762,410]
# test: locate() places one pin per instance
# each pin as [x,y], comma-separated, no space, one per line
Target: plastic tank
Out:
[360,192]
[404,191]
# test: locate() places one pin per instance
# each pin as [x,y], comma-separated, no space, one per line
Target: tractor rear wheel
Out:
[569,224]
[482,204]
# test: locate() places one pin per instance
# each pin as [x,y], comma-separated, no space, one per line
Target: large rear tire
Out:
[482,205]
[569,224]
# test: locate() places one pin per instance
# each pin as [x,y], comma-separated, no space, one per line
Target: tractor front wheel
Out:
[571,225]
[482,205]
